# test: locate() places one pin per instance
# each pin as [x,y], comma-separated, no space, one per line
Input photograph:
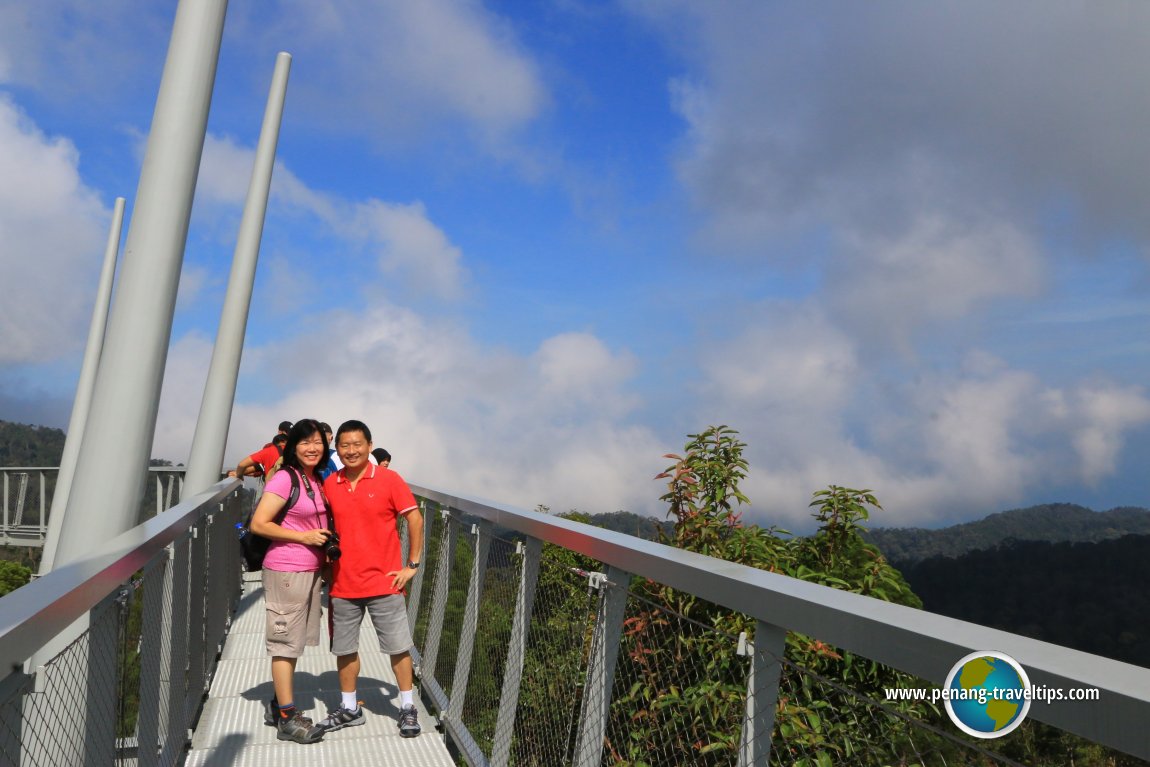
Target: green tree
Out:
[691,715]
[13,575]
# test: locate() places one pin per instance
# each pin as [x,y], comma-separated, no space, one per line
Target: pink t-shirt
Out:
[307,514]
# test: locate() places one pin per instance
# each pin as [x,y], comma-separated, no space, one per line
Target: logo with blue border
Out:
[987,694]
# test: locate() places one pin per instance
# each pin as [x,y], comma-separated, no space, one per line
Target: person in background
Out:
[367,502]
[291,572]
[333,462]
[382,457]
[259,463]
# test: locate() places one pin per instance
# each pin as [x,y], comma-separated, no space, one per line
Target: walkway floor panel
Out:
[231,730]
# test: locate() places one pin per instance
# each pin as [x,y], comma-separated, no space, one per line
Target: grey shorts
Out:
[388,615]
[291,601]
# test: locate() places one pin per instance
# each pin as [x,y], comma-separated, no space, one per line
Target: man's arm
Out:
[248,468]
[414,535]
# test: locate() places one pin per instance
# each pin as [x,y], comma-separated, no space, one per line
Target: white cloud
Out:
[939,270]
[935,446]
[401,67]
[1105,414]
[406,242]
[553,427]
[54,231]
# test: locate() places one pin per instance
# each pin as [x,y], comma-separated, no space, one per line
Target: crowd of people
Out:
[343,531]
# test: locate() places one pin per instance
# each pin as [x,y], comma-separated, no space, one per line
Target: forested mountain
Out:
[27,445]
[1088,596]
[1052,522]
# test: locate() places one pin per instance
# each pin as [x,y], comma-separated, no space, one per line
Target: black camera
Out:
[331,547]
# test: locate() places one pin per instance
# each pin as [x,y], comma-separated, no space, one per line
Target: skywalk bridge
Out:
[528,653]
[539,641]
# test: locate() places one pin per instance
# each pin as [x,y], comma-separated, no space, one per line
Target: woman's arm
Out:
[262,524]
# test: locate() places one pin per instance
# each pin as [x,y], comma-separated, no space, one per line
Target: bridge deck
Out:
[231,729]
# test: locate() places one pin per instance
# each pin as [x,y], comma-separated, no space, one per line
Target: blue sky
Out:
[896,245]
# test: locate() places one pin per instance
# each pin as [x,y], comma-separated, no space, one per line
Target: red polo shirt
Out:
[365,518]
[266,457]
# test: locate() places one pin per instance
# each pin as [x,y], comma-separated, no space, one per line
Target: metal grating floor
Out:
[231,729]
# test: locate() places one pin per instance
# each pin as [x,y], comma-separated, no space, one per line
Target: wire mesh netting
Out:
[492,633]
[128,687]
[555,666]
[82,677]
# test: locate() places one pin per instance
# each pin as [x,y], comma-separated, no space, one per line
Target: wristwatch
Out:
[413,565]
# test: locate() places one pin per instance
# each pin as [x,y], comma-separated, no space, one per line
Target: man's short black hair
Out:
[353,425]
[285,427]
[279,440]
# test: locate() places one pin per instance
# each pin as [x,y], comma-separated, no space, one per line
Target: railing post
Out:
[516,651]
[151,647]
[197,619]
[438,607]
[99,720]
[596,706]
[762,692]
[454,714]
[178,660]
[14,688]
[416,591]
[43,499]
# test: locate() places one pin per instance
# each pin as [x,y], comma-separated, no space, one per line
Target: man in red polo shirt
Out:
[369,577]
[260,463]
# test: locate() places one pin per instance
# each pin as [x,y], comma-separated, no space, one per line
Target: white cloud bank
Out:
[53,230]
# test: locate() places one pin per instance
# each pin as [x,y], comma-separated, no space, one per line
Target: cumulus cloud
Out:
[402,67]
[803,112]
[888,288]
[555,426]
[65,49]
[405,241]
[54,230]
[933,445]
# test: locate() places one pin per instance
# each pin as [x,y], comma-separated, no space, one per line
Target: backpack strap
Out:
[293,496]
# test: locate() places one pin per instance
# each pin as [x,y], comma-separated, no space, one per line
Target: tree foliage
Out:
[693,716]
[13,575]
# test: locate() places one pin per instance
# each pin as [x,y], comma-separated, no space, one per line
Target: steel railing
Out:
[142,620]
[26,499]
[540,641]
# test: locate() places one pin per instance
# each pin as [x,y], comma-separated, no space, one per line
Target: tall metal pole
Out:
[106,493]
[207,456]
[83,399]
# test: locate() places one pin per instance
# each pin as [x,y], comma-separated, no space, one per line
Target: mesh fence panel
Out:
[130,679]
[429,566]
[681,697]
[489,656]
[80,678]
[461,558]
[555,667]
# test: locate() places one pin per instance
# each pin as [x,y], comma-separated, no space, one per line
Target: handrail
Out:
[920,643]
[48,605]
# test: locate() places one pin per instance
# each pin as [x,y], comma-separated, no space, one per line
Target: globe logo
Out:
[987,694]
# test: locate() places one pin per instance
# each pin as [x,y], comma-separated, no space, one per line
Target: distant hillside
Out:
[26,445]
[1088,596]
[1053,522]
[632,524]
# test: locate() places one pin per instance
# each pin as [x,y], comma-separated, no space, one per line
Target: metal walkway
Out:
[231,729]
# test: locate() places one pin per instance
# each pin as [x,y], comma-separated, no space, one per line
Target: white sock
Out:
[406,698]
[349,701]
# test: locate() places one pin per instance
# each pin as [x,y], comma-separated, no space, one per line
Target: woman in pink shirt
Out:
[291,572]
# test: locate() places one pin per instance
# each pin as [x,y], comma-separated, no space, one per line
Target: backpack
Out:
[253,547]
[279,464]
